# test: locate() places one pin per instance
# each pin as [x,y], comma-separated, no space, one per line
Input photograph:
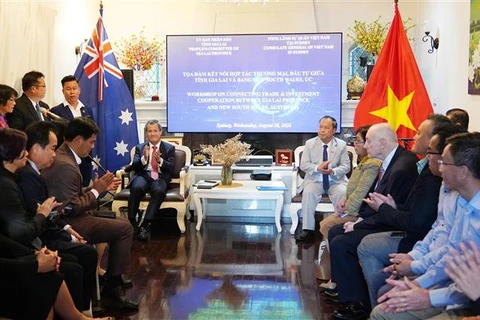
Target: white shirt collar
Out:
[34,166]
[77,158]
[388,159]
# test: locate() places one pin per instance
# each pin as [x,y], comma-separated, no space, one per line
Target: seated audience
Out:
[19,225]
[153,164]
[377,250]
[396,177]
[64,181]
[326,164]
[7,103]
[432,294]
[31,287]
[360,181]
[58,235]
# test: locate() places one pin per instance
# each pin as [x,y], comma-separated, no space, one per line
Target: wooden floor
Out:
[225,271]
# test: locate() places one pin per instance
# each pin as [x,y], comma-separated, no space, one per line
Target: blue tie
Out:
[326,183]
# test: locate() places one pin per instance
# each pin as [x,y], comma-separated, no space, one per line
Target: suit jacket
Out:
[35,191]
[167,151]
[15,222]
[24,113]
[64,112]
[397,181]
[64,182]
[16,259]
[313,155]
[417,215]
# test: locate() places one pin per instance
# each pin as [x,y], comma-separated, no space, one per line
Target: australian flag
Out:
[106,92]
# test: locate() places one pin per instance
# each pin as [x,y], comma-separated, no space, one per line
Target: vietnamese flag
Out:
[395,92]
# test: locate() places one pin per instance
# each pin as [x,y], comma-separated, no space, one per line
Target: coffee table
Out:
[247,190]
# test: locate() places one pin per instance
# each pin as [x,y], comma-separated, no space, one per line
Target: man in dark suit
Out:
[27,108]
[396,177]
[15,222]
[71,108]
[41,145]
[153,164]
[64,181]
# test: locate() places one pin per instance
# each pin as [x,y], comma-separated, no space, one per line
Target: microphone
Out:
[47,112]
[97,163]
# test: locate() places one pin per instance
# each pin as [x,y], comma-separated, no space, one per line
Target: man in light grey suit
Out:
[325,161]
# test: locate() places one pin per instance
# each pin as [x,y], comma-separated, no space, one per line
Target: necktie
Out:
[326,183]
[39,113]
[381,171]
[154,164]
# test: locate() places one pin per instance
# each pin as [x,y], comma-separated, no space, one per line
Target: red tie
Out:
[154,164]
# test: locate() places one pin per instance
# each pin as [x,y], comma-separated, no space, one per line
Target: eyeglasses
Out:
[358,142]
[39,86]
[441,162]
[433,152]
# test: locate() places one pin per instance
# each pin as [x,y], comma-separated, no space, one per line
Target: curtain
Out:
[26,41]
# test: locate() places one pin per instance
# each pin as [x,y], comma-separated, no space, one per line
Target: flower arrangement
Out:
[138,53]
[371,36]
[228,152]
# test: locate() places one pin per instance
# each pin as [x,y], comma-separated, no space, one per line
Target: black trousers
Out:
[84,255]
[346,270]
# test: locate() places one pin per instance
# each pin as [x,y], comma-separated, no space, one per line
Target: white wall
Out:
[444,72]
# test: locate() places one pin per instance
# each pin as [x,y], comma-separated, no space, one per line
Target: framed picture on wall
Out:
[473,61]
[173,140]
[283,157]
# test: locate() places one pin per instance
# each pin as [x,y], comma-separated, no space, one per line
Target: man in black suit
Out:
[72,108]
[396,177]
[153,164]
[41,145]
[27,108]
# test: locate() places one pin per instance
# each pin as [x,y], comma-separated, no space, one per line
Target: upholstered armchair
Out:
[178,193]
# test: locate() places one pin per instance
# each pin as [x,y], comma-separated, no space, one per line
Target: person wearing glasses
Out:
[414,262]
[413,214]
[7,103]
[363,176]
[433,294]
[29,107]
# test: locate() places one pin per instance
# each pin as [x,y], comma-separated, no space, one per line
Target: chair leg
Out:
[97,282]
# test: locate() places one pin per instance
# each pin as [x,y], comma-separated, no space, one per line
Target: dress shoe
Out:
[144,232]
[305,236]
[118,296]
[330,295]
[127,283]
[328,285]
[354,311]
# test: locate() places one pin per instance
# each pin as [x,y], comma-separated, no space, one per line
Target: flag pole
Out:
[101,8]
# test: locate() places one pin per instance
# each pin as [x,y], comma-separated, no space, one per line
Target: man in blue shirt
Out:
[432,293]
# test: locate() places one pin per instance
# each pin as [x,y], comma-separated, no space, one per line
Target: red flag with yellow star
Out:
[395,92]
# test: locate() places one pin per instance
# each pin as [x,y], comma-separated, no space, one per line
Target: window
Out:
[358,60]
[149,82]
